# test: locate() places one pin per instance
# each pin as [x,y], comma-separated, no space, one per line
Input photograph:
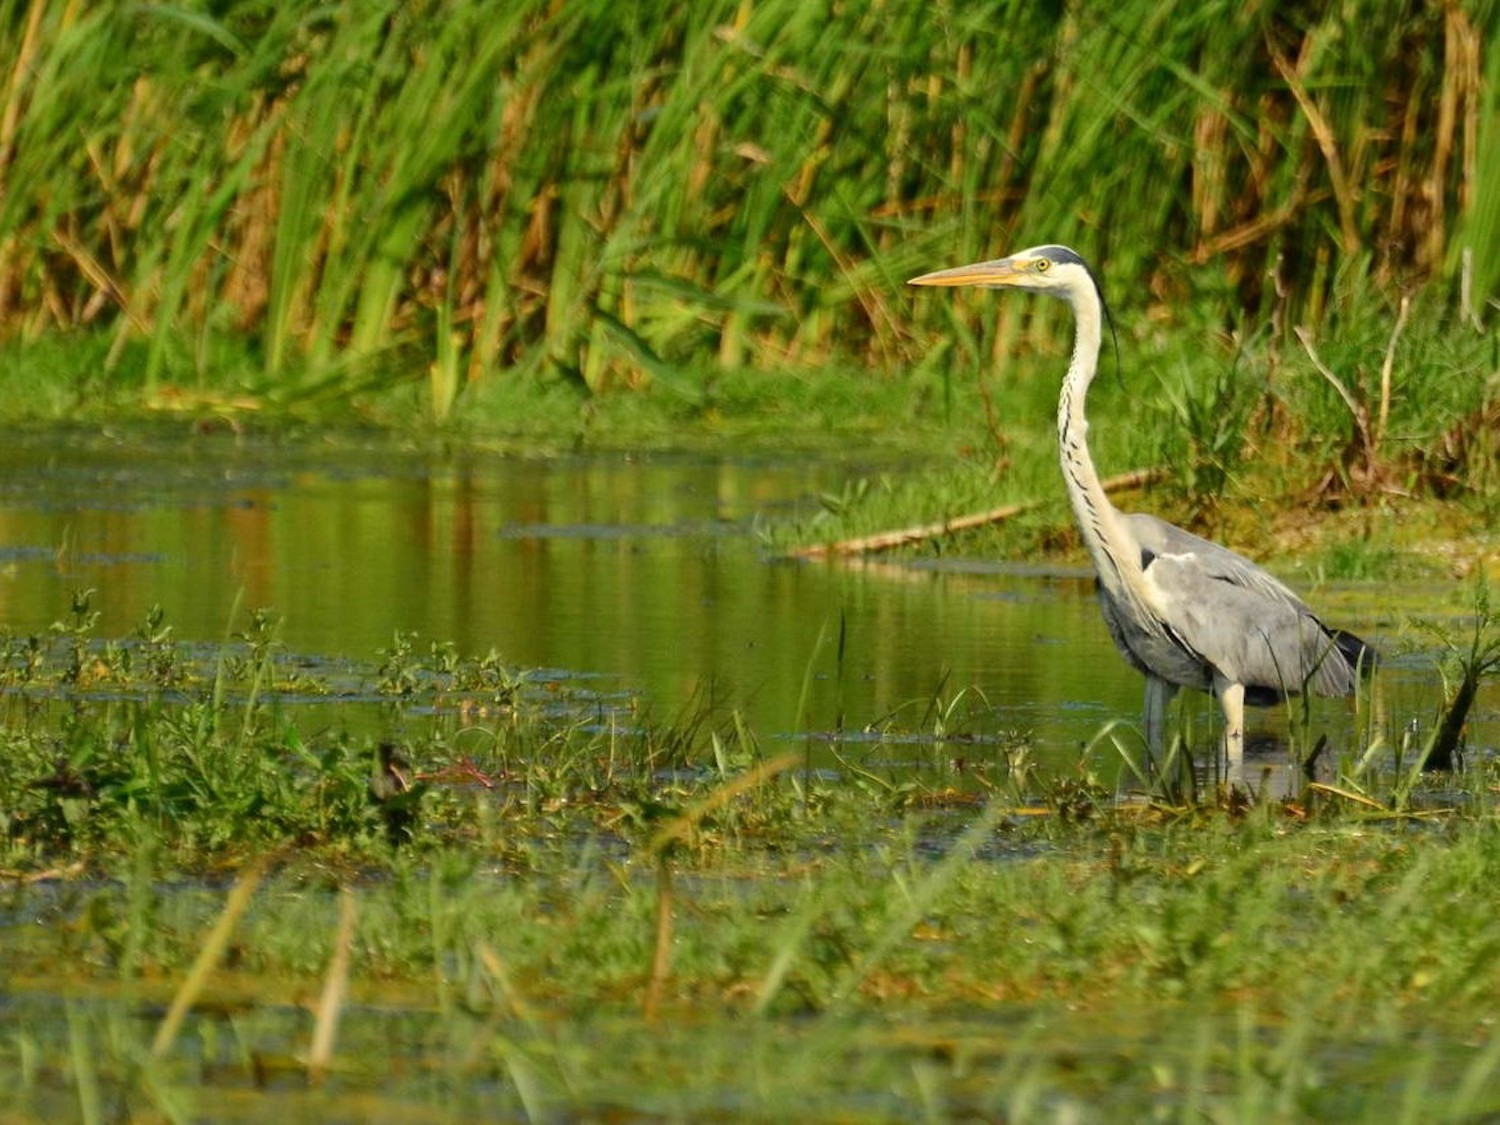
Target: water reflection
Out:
[642,570]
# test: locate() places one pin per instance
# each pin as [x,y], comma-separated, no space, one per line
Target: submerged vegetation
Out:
[491,894]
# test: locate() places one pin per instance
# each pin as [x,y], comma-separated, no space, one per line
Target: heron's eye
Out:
[1043,265]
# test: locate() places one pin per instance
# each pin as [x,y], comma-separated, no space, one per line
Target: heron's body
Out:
[1183,610]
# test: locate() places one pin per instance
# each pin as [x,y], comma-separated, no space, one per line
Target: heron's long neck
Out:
[1098,519]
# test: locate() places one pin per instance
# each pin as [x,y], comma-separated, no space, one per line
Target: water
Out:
[633,575]
[642,574]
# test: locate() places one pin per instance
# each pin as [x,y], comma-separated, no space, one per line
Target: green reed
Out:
[446,195]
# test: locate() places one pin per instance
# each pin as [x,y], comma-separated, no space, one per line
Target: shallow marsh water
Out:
[641,578]
[641,575]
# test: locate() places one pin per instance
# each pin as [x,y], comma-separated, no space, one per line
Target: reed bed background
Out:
[641,193]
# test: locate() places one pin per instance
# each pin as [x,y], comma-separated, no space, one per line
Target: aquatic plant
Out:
[507,908]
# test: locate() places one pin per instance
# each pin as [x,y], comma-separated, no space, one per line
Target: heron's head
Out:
[1054,270]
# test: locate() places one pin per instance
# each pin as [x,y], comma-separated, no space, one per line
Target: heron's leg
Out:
[1159,693]
[1232,701]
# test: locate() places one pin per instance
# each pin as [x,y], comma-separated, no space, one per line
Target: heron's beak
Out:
[1000,272]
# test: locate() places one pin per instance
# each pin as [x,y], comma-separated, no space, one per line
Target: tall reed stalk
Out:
[452,192]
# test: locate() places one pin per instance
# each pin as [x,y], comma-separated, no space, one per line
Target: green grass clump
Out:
[1138,964]
[1253,442]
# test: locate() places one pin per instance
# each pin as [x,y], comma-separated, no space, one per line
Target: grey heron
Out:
[1182,609]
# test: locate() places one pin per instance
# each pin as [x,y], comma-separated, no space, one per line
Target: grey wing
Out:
[1245,623]
[1162,538]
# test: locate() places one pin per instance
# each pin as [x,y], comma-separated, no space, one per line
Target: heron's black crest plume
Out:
[1109,319]
[1063,254]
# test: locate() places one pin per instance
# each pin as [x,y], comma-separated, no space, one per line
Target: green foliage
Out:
[1206,431]
[1354,560]
[1468,666]
[427,195]
[111,742]
[1384,407]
